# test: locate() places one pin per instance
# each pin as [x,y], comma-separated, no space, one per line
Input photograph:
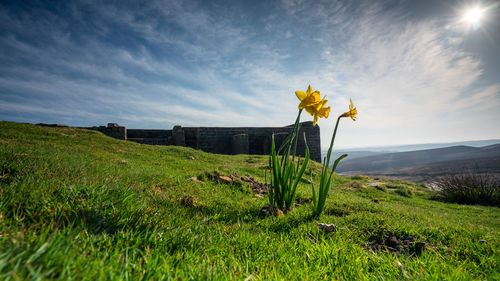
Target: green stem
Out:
[284,157]
[327,164]
[295,132]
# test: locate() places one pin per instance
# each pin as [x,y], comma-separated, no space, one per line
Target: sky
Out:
[415,70]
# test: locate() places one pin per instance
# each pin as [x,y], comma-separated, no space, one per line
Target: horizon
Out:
[419,72]
[413,144]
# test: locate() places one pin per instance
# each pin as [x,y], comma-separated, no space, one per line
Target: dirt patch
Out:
[188,201]
[354,185]
[302,201]
[395,245]
[235,179]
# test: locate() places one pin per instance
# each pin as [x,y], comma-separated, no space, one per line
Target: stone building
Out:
[222,140]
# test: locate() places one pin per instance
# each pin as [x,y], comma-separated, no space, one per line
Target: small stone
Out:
[195,179]
[188,201]
[224,179]
[403,271]
[375,200]
[191,158]
[327,227]
[246,179]
[375,184]
[482,241]
[391,249]
[393,242]
[271,211]
[123,161]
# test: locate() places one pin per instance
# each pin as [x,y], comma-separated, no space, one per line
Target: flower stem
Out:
[327,164]
[295,132]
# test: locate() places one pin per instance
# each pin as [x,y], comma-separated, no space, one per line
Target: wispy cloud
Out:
[205,64]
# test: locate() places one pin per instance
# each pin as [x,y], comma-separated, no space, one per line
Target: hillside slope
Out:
[75,204]
[392,161]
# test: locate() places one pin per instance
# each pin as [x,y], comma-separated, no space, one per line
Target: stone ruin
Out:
[221,140]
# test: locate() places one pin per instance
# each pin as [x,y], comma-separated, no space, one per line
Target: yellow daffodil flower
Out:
[351,113]
[308,98]
[319,110]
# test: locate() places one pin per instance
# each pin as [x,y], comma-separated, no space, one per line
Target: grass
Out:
[75,204]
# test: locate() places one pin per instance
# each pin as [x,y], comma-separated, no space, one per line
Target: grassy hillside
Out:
[75,204]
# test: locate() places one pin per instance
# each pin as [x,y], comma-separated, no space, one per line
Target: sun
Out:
[473,16]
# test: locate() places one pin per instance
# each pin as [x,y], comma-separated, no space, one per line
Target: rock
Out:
[279,213]
[263,212]
[327,227]
[246,179]
[224,179]
[403,271]
[482,241]
[188,201]
[271,211]
[374,200]
[375,184]
[391,249]
[195,179]
[393,242]
[123,161]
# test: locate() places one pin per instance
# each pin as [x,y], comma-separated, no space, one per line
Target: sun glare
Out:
[473,16]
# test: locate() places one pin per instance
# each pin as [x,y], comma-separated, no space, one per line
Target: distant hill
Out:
[371,151]
[423,146]
[426,164]
[352,154]
[429,172]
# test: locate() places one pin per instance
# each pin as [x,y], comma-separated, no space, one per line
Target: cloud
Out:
[404,75]
[197,64]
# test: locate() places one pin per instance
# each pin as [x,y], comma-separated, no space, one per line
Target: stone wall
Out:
[113,130]
[154,137]
[222,140]
[255,140]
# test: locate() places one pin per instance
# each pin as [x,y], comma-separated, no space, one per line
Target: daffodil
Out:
[308,98]
[351,113]
[319,196]
[319,110]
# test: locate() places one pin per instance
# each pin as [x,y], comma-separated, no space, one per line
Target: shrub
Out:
[469,188]
[359,177]
[404,191]
[356,185]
